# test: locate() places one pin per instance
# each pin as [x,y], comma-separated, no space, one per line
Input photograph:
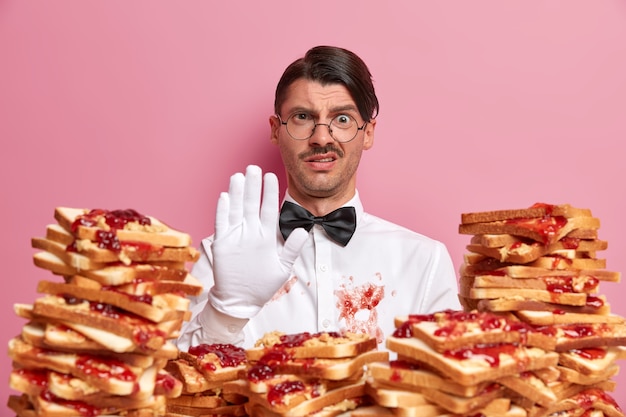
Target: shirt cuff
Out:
[217,327]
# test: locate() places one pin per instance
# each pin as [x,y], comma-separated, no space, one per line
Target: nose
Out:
[321,135]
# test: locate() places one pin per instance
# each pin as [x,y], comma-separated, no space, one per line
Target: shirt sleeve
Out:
[207,325]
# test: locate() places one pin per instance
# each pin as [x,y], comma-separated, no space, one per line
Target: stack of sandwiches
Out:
[302,374]
[203,371]
[455,362]
[96,342]
[539,265]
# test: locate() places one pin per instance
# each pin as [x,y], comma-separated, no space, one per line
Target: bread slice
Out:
[331,369]
[546,230]
[496,268]
[547,318]
[530,386]
[393,397]
[293,402]
[449,330]
[216,362]
[580,336]
[154,308]
[114,377]
[117,274]
[141,332]
[556,262]
[566,284]
[413,376]
[133,226]
[537,210]
[574,377]
[573,299]
[502,239]
[125,251]
[590,361]
[314,345]
[475,364]
[230,410]
[522,252]
[594,305]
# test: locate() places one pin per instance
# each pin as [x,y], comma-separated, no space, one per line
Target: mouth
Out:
[321,158]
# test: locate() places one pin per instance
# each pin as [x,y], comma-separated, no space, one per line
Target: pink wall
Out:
[152,105]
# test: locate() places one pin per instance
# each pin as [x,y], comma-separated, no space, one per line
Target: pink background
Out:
[153,105]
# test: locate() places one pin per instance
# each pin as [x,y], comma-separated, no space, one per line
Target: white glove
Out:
[248,265]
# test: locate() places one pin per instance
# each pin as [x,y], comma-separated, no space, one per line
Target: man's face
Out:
[320,167]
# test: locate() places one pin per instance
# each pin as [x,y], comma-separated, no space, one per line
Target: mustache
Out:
[322,150]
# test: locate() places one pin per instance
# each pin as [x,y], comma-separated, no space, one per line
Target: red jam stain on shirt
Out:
[285,288]
[362,299]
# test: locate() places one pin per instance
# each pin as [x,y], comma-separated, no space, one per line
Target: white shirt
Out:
[385,271]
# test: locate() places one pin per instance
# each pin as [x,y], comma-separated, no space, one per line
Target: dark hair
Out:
[332,65]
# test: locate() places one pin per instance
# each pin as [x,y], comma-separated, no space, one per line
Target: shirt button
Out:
[323,268]
[232,328]
[326,323]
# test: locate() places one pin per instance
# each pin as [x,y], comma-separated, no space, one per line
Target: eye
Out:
[343,121]
[301,118]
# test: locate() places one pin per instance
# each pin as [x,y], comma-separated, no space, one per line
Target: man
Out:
[300,276]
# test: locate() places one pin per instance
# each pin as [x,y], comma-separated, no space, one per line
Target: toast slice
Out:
[114,376]
[127,225]
[335,369]
[594,305]
[297,398]
[592,361]
[124,251]
[472,365]
[591,335]
[117,274]
[521,252]
[193,380]
[413,376]
[313,345]
[154,308]
[142,332]
[546,318]
[537,210]
[449,330]
[216,362]
[546,230]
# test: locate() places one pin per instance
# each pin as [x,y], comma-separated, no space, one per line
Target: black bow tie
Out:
[339,224]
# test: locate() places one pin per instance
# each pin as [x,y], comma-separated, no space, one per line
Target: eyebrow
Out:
[333,110]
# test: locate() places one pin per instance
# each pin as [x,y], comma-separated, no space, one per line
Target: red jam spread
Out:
[229,355]
[590,353]
[547,226]
[82,408]
[104,368]
[487,352]
[277,393]
[115,219]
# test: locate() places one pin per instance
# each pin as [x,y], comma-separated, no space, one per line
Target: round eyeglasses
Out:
[342,128]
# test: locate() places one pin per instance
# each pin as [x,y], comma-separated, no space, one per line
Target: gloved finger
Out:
[252,194]
[235,193]
[221,215]
[269,205]
[293,247]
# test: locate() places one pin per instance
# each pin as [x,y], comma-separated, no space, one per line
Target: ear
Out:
[274,129]
[368,136]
